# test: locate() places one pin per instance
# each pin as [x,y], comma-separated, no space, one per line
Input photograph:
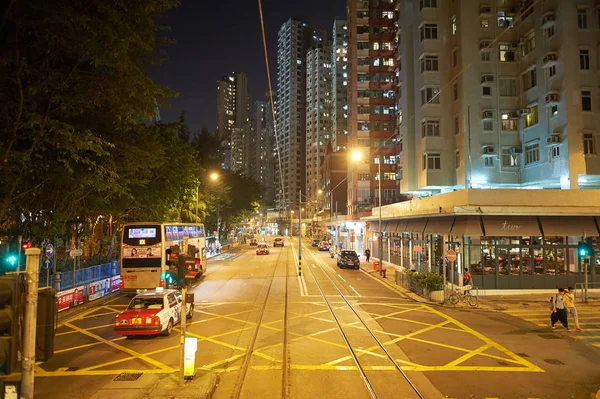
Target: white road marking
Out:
[302,293]
[304,285]
[354,290]
[314,267]
[341,277]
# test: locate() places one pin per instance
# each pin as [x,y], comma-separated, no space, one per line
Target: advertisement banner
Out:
[141,251]
[115,283]
[98,289]
[69,298]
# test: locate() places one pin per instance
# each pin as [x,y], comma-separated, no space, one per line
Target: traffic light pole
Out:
[30,320]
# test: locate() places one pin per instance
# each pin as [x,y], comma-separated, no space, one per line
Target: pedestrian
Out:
[368,254]
[559,313]
[467,278]
[569,299]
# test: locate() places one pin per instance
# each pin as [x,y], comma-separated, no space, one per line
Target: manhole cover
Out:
[555,362]
[522,354]
[549,336]
[128,376]
[72,369]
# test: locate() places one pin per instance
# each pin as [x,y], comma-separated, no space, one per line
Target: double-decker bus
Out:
[160,254]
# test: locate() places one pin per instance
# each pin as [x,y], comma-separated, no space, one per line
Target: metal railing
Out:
[592,291]
[82,276]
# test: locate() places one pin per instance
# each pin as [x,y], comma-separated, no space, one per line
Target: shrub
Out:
[429,281]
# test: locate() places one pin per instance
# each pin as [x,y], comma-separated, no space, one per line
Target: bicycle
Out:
[457,296]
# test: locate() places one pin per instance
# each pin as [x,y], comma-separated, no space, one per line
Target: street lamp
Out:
[356,156]
[214,176]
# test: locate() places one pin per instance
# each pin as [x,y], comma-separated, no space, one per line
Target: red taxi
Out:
[262,249]
[152,313]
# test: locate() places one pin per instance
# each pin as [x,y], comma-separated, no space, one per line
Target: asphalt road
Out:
[321,335]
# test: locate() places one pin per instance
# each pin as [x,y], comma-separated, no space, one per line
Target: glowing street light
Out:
[214,176]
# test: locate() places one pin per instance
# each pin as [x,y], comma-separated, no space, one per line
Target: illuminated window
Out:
[506,53]
[532,153]
[532,117]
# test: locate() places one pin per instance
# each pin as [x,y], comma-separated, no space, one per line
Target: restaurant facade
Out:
[508,239]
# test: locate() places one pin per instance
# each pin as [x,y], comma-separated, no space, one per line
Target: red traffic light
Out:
[27,244]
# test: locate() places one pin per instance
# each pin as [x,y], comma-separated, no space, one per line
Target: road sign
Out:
[418,248]
[451,255]
[49,250]
[75,252]
[47,263]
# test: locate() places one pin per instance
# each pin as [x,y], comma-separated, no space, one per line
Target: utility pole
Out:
[182,316]
[30,321]
[299,232]
[380,232]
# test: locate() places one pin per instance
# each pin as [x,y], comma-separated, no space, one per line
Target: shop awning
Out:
[467,226]
[416,225]
[568,226]
[402,226]
[375,225]
[391,227]
[439,225]
[503,226]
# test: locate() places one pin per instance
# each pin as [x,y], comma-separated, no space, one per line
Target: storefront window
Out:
[526,261]
[475,257]
[555,260]
[503,261]
[538,260]
[488,257]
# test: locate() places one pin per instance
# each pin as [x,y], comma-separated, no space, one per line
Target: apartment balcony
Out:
[382,101]
[381,53]
[550,59]
[382,69]
[548,19]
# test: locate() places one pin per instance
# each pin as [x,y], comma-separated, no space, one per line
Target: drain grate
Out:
[549,336]
[72,369]
[128,377]
[555,362]
[522,354]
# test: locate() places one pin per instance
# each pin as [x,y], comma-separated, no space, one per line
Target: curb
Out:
[201,387]
[74,312]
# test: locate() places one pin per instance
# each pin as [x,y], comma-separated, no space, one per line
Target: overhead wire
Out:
[264,39]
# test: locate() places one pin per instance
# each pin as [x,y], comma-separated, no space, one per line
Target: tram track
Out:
[238,390]
[372,379]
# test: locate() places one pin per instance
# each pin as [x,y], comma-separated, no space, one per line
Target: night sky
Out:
[216,38]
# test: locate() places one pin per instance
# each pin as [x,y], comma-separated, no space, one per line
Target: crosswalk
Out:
[589,320]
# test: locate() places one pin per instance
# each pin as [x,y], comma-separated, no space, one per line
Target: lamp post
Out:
[214,177]
[357,157]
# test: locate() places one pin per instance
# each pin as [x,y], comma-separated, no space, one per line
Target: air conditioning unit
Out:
[485,10]
[489,149]
[487,79]
[522,41]
[548,20]
[552,98]
[513,114]
[523,111]
[549,59]
[514,46]
[389,200]
[483,44]
[516,150]
[487,114]
[553,139]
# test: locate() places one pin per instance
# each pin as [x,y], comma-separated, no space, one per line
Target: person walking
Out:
[368,254]
[558,310]
[569,299]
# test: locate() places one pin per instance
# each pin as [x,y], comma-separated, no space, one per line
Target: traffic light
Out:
[9,314]
[168,278]
[585,249]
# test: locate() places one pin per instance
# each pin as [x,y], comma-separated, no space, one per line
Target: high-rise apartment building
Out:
[264,161]
[508,101]
[339,92]
[295,37]
[372,63]
[318,119]
[232,109]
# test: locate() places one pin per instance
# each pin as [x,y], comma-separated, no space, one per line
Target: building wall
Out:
[318,120]
[497,128]
[371,102]
[263,160]
[295,37]
[339,91]
[232,113]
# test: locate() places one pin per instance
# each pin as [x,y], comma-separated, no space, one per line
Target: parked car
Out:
[262,249]
[278,242]
[253,241]
[323,246]
[152,313]
[315,243]
[348,258]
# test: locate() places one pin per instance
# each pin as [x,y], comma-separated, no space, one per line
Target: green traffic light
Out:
[12,260]
[582,252]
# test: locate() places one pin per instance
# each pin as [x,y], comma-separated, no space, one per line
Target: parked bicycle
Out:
[468,294]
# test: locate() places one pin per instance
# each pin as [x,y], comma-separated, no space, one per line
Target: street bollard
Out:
[190,345]
[57,282]
[384,271]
